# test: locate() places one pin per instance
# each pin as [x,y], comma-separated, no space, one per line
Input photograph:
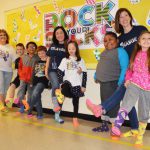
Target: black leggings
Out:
[66,91]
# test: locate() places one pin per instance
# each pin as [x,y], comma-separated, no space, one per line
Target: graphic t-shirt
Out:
[7,57]
[128,40]
[56,54]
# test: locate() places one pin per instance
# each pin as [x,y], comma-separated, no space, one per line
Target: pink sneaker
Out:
[96,109]
[115,133]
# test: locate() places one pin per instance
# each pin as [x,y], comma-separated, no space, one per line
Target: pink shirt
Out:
[140,75]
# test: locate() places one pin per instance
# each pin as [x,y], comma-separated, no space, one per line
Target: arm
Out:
[46,67]
[124,62]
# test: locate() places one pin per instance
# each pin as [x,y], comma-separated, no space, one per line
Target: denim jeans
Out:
[115,99]
[36,98]
[22,91]
[5,79]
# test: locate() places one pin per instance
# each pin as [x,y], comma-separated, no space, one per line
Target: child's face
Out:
[3,38]
[72,49]
[144,41]
[19,50]
[42,55]
[31,49]
[110,42]
[125,19]
[60,35]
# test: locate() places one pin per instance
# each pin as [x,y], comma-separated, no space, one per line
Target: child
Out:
[16,82]
[7,57]
[138,88]
[26,65]
[110,72]
[73,82]
[55,54]
[39,82]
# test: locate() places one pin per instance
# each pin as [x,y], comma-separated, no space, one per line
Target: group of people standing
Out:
[123,72]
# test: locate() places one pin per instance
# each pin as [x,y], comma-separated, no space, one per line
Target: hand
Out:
[83,89]
[127,83]
[79,70]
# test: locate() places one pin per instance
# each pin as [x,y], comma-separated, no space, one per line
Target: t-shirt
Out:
[7,57]
[128,40]
[70,67]
[56,54]
[39,73]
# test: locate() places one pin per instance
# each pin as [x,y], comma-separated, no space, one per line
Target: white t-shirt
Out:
[70,67]
[7,57]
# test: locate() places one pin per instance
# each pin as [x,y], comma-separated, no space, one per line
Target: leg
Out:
[75,102]
[129,100]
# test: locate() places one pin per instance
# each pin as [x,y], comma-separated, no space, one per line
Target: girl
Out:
[110,73]
[7,57]
[128,37]
[73,82]
[138,87]
[55,54]
[16,82]
[39,82]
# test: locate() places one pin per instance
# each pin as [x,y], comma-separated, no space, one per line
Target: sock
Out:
[122,114]
[56,105]
[57,118]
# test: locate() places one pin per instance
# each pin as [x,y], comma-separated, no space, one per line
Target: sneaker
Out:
[9,102]
[139,141]
[103,128]
[115,133]
[39,117]
[96,109]
[21,109]
[60,96]
[131,133]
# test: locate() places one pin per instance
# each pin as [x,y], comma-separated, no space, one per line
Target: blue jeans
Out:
[36,99]
[115,99]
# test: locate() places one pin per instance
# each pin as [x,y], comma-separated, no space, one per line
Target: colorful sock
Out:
[9,102]
[59,95]
[16,100]
[75,122]
[56,105]
[131,133]
[103,128]
[26,105]
[57,118]
[115,131]
[142,128]
[96,109]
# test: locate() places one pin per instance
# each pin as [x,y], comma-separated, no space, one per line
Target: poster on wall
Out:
[86,23]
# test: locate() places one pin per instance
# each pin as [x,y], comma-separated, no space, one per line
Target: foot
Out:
[75,122]
[139,141]
[60,96]
[57,118]
[102,128]
[39,117]
[4,110]
[21,109]
[9,102]
[115,133]
[96,109]
[26,105]
[131,133]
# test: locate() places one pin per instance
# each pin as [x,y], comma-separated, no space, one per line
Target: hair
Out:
[41,48]
[55,41]
[77,53]
[118,26]
[137,48]
[31,43]
[5,32]
[112,34]
[21,45]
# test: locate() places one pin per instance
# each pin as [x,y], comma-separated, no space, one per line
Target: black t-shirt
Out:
[56,54]
[39,73]
[128,40]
